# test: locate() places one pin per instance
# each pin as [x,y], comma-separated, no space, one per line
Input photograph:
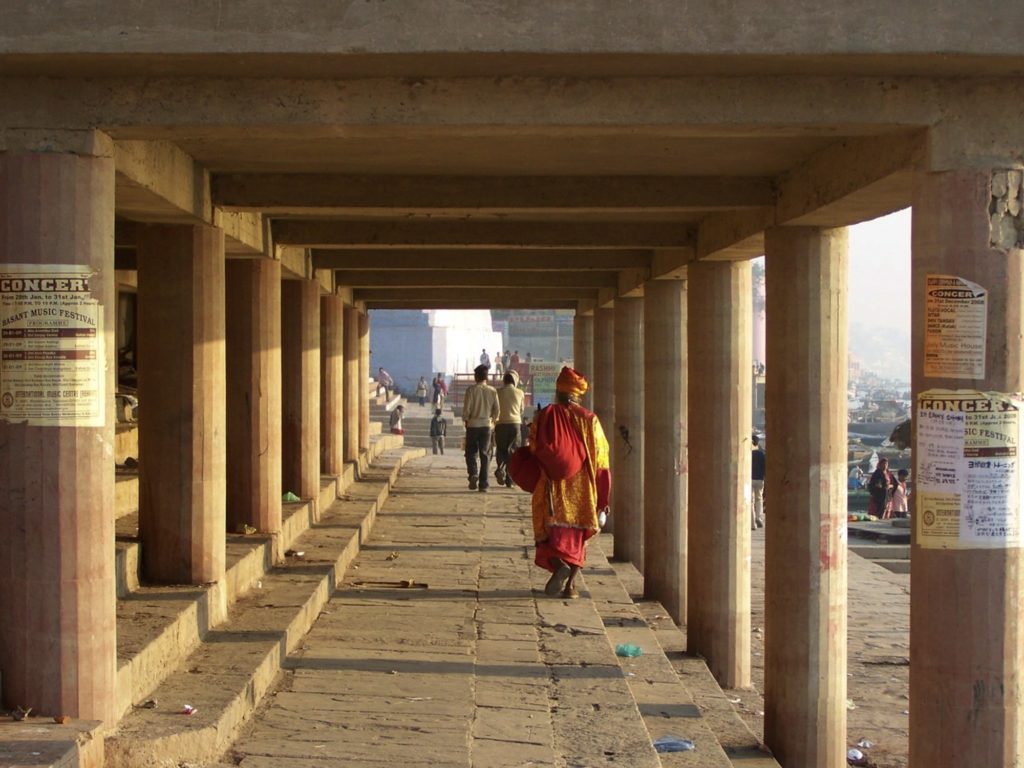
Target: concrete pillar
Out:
[254,394]
[332,393]
[602,384]
[966,623]
[628,431]
[805,534]
[665,465]
[583,353]
[182,426]
[351,385]
[364,378]
[57,598]
[719,305]
[300,363]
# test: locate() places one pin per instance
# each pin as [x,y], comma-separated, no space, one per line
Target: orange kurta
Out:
[572,503]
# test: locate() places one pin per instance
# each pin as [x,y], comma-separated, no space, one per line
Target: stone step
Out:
[882,551]
[158,626]
[896,566]
[225,675]
[667,701]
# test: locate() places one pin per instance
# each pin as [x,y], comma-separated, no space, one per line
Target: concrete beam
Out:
[325,194]
[468,278]
[671,263]
[594,235]
[474,294]
[490,303]
[296,263]
[429,260]
[158,182]
[631,282]
[244,233]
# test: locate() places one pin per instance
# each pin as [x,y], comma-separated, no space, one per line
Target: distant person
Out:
[479,412]
[515,358]
[440,391]
[396,420]
[510,420]
[421,390]
[757,467]
[499,369]
[529,358]
[385,382]
[900,507]
[485,359]
[575,480]
[506,360]
[438,432]
[880,486]
[856,479]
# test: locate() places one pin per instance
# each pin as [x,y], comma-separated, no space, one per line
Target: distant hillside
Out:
[885,351]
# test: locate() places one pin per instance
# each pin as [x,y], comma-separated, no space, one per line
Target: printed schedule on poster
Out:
[955,327]
[968,475]
[51,347]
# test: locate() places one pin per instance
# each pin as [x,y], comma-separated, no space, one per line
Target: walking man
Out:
[757,484]
[510,420]
[479,412]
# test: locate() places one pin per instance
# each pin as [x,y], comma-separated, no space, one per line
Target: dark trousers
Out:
[506,440]
[478,443]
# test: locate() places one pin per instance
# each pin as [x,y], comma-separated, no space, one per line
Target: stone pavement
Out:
[439,649]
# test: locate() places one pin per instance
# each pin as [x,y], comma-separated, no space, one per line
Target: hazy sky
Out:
[879,286]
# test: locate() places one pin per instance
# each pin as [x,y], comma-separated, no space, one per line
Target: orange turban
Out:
[571,382]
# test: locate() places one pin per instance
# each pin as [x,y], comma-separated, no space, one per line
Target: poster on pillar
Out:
[968,476]
[51,347]
[955,327]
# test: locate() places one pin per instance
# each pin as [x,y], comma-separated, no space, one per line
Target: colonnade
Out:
[250,385]
[672,369]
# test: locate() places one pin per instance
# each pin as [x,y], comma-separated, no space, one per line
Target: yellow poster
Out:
[955,327]
[51,347]
[968,478]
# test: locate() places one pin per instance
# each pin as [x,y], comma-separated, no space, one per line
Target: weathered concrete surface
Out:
[475,667]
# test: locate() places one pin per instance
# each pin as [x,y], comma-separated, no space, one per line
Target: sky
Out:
[879,286]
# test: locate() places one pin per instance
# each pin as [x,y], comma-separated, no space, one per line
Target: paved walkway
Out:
[438,650]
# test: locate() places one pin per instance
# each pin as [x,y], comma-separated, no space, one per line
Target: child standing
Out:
[438,430]
[900,495]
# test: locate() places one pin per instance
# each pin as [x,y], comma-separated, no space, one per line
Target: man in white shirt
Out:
[479,412]
[510,420]
[485,359]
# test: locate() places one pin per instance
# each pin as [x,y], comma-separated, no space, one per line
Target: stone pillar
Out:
[967,627]
[583,353]
[300,363]
[57,595]
[627,432]
[182,424]
[603,382]
[332,394]
[254,394]
[351,386]
[805,533]
[719,316]
[665,466]
[364,378]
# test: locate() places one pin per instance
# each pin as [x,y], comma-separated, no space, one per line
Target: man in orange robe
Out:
[569,444]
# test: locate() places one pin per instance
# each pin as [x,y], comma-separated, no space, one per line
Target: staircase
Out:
[416,423]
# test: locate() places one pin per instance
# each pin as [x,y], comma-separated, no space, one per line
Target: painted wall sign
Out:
[967,477]
[51,347]
[955,326]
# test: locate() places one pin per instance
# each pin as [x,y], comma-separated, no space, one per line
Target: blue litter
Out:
[674,744]
[627,649]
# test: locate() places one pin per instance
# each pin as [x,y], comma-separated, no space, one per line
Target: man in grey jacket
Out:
[479,412]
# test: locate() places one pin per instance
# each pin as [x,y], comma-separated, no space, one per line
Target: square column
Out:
[602,384]
[364,378]
[300,363]
[805,479]
[254,394]
[182,424]
[665,464]
[351,385]
[332,391]
[583,353]
[719,322]
[57,593]
[966,622]
[627,432]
